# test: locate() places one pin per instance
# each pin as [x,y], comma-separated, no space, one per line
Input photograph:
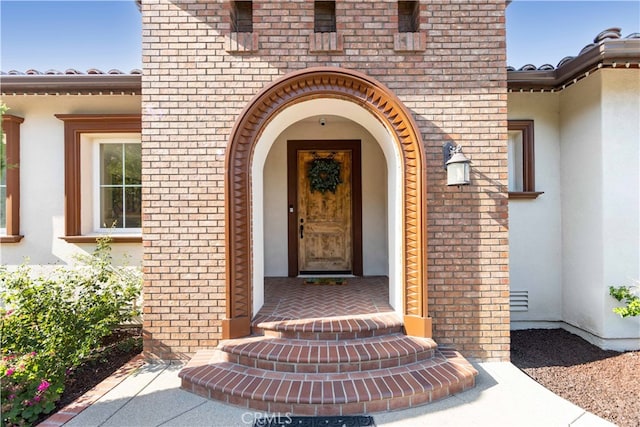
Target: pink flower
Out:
[12,396]
[10,372]
[44,385]
[37,398]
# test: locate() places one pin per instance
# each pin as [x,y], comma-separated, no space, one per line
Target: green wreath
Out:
[324,174]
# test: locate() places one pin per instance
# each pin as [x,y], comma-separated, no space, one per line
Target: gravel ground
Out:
[605,383]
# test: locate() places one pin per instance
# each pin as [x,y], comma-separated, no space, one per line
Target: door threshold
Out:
[312,276]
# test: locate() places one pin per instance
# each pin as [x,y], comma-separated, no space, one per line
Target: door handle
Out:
[301,231]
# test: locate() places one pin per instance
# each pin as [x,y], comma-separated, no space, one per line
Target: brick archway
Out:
[314,83]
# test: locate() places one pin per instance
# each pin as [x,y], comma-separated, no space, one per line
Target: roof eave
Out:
[63,84]
[621,52]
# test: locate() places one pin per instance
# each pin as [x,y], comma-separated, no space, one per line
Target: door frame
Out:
[306,93]
[293,146]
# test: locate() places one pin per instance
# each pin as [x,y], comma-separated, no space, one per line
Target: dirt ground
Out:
[119,348]
[606,383]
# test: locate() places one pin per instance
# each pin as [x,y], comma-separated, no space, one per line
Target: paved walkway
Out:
[150,395]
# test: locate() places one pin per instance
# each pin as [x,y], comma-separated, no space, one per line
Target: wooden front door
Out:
[324,219]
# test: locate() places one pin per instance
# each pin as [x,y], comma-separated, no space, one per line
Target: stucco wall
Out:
[42,177]
[581,133]
[621,196]
[535,245]
[374,223]
[582,235]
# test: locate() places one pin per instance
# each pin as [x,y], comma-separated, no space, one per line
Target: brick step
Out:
[322,356]
[330,328]
[445,374]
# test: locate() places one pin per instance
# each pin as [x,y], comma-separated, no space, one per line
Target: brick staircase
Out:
[343,365]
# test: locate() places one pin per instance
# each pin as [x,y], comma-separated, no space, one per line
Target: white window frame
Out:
[3,229]
[90,183]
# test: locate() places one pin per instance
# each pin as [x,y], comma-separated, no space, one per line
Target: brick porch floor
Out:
[327,350]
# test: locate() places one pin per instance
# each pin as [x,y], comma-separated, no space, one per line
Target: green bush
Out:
[625,295]
[30,387]
[59,319]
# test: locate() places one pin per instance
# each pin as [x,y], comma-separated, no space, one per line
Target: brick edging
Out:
[67,413]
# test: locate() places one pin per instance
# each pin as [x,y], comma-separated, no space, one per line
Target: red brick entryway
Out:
[379,102]
[327,350]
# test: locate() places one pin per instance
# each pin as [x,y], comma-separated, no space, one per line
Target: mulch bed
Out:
[118,348]
[605,383]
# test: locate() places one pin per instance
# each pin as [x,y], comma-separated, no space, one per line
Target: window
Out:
[10,179]
[325,17]
[408,17]
[409,38]
[118,185]
[102,176]
[242,17]
[3,185]
[520,154]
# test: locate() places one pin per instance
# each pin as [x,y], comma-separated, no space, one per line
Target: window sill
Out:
[93,239]
[242,43]
[525,194]
[409,42]
[325,42]
[10,239]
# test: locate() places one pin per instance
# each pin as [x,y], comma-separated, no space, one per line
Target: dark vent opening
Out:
[325,16]
[408,17]
[242,17]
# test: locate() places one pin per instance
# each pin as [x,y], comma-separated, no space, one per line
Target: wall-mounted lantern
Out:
[456,164]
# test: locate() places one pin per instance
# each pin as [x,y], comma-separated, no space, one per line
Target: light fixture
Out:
[456,164]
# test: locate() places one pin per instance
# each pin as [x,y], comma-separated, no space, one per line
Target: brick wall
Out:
[198,78]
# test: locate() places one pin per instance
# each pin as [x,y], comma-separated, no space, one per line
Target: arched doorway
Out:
[382,110]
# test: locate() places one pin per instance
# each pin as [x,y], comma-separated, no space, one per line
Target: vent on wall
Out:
[519,300]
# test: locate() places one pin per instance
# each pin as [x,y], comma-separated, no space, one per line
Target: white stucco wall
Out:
[600,213]
[42,177]
[621,193]
[374,201]
[380,134]
[535,245]
[583,234]
[581,133]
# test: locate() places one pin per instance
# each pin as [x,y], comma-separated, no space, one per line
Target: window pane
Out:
[111,207]
[111,164]
[3,161]
[3,206]
[3,183]
[133,164]
[133,204]
[514,154]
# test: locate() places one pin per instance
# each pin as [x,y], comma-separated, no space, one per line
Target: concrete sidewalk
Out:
[504,396]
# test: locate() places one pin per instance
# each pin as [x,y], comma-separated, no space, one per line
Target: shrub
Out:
[631,300]
[54,321]
[30,387]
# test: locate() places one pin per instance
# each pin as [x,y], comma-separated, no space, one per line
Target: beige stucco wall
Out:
[583,234]
[621,191]
[42,177]
[535,245]
[374,201]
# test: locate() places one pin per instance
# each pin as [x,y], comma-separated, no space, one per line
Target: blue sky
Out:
[86,34]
